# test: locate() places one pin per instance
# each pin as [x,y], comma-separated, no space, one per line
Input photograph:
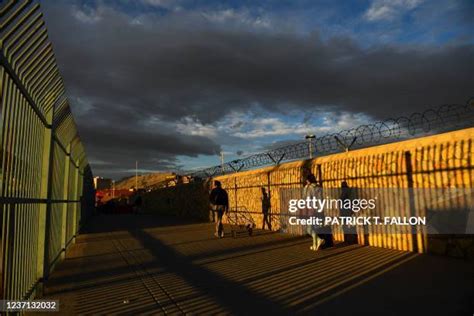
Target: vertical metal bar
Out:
[8,257]
[65,191]
[44,221]
[14,250]
[2,207]
[27,180]
[75,208]
[11,193]
[8,141]
[411,197]
[20,217]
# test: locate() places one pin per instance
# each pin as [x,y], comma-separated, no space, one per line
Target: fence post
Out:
[411,198]
[80,186]
[76,208]
[320,174]
[45,208]
[235,194]
[270,211]
[67,162]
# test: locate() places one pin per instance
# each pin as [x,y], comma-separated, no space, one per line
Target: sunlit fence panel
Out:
[45,180]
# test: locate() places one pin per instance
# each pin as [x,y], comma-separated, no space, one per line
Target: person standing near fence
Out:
[220,204]
[350,232]
[266,205]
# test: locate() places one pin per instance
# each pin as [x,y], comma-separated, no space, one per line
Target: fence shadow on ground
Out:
[154,268]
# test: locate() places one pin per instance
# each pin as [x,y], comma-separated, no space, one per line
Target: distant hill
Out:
[144,181]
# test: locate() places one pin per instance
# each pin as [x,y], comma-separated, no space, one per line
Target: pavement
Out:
[127,264]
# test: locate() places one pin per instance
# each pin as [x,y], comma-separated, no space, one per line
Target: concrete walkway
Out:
[145,264]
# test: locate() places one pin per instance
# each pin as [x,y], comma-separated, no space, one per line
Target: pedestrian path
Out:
[146,264]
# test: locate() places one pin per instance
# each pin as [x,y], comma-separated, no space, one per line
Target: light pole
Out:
[136,175]
[310,144]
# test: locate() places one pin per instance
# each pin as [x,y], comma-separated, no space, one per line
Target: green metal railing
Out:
[45,180]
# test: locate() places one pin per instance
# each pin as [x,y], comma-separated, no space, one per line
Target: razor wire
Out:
[432,121]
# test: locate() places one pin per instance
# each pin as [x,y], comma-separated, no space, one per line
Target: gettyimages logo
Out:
[392,210]
[313,203]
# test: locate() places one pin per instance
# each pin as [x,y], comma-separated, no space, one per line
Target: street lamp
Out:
[310,144]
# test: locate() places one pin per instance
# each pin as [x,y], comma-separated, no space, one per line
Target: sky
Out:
[172,83]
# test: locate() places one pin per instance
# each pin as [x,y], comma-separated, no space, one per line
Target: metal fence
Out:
[432,121]
[45,181]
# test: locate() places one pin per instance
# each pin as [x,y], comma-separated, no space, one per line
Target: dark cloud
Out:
[183,64]
[280,143]
[114,150]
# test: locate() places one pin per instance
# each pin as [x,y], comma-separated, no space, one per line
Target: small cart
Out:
[241,221]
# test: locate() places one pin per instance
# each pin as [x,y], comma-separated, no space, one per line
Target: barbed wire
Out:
[432,121]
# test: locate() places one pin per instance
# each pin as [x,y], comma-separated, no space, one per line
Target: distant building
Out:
[102,183]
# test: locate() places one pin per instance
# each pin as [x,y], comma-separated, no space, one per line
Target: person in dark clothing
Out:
[138,204]
[345,195]
[266,209]
[220,205]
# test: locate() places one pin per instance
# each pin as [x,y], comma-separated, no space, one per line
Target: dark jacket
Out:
[138,201]
[219,197]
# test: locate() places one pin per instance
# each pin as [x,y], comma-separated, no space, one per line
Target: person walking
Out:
[219,200]
[137,207]
[310,190]
[266,205]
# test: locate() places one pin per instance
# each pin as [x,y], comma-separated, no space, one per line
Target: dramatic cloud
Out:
[116,150]
[330,123]
[155,86]
[389,9]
